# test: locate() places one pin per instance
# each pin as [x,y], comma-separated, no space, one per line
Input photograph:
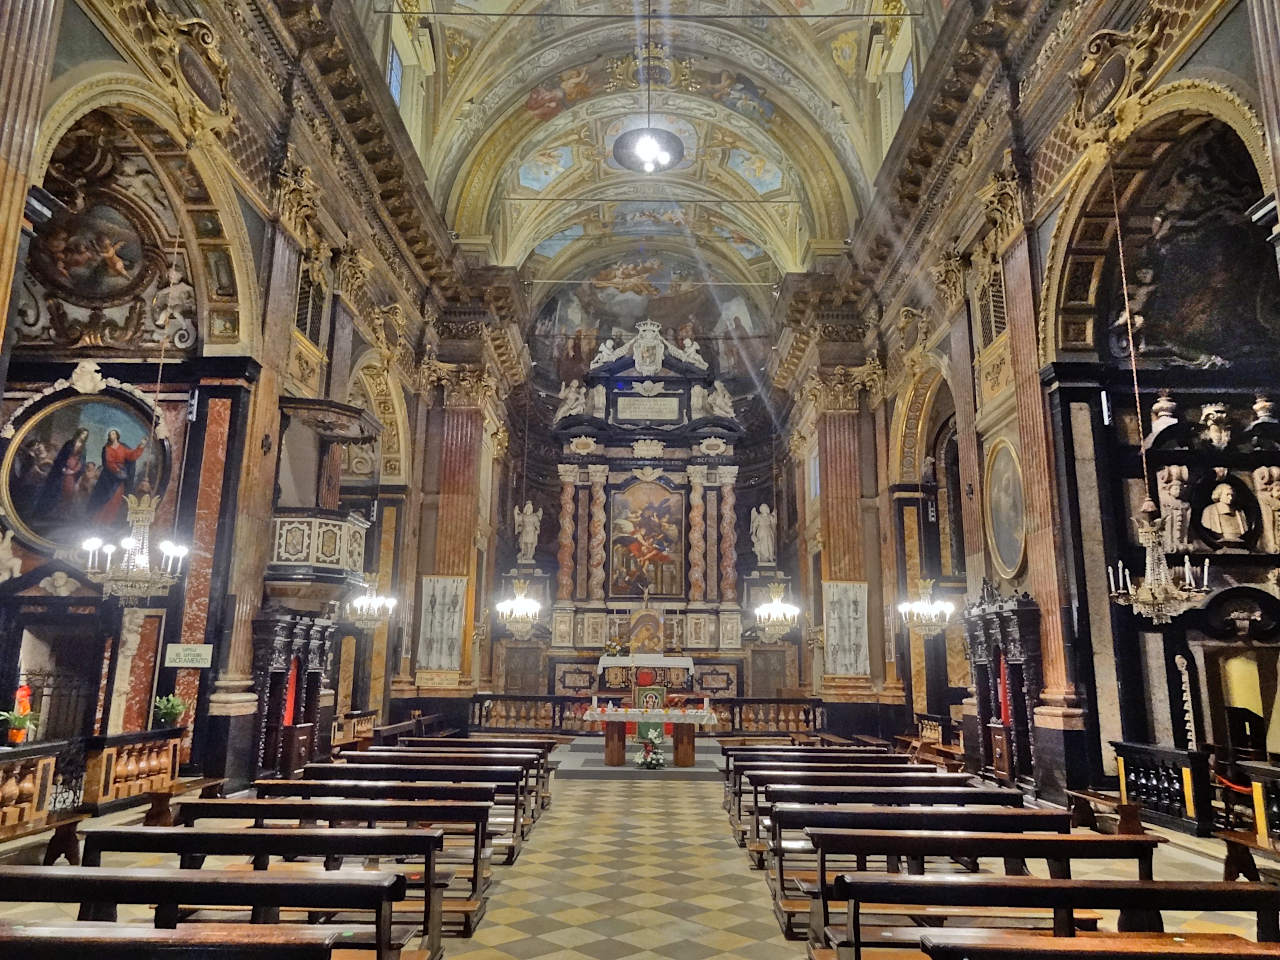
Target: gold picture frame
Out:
[1004,508]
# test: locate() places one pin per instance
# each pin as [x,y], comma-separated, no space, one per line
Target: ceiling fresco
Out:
[771,101]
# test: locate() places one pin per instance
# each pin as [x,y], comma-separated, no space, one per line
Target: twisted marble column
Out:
[564,557]
[728,535]
[598,474]
[697,535]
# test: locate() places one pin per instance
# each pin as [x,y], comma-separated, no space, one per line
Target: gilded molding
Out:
[198,83]
[1115,66]
[351,271]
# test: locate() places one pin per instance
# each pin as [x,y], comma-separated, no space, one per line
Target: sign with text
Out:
[193,656]
[663,409]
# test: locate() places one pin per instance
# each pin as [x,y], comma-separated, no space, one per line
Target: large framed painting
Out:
[444,606]
[98,256]
[646,541]
[844,621]
[71,463]
[1006,508]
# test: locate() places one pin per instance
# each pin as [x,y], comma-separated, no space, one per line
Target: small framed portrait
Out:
[1006,508]
[72,462]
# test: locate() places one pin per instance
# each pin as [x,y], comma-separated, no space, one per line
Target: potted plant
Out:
[169,710]
[18,724]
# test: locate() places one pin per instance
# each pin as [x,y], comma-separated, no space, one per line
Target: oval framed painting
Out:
[72,462]
[1006,508]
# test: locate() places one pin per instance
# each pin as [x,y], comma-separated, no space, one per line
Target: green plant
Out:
[19,721]
[169,709]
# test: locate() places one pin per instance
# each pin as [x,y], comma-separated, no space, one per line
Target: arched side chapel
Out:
[343,295]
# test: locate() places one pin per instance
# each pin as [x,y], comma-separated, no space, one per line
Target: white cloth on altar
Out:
[698,716]
[645,660]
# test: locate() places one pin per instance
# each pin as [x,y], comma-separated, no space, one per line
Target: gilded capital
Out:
[568,473]
[841,387]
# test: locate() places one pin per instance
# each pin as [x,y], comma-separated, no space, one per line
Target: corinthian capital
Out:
[841,387]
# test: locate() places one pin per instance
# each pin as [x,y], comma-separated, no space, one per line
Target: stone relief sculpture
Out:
[597,399]
[1223,518]
[605,354]
[1266,486]
[528,525]
[1217,425]
[1176,509]
[693,353]
[10,564]
[764,534]
[573,400]
[720,402]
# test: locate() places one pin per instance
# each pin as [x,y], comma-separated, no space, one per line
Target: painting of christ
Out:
[646,541]
[72,464]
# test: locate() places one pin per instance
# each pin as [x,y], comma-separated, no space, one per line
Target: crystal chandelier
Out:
[520,612]
[1158,597]
[127,570]
[370,610]
[777,616]
[926,614]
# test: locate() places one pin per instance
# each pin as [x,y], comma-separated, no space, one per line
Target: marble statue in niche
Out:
[697,402]
[1266,486]
[1176,508]
[528,523]
[1224,518]
[573,400]
[764,534]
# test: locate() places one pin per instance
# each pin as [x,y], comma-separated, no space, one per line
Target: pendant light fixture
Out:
[648,149]
[519,612]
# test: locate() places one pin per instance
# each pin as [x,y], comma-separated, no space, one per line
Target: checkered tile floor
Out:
[637,869]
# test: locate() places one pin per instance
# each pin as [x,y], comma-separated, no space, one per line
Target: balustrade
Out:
[1171,786]
[118,768]
[563,714]
[26,783]
[1266,801]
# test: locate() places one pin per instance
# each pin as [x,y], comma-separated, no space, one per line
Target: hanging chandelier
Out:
[127,569]
[520,612]
[370,609]
[648,149]
[1158,596]
[777,616]
[926,614]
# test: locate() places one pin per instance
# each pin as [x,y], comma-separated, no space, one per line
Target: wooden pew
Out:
[760,781]
[788,818]
[755,779]
[391,732]
[1139,902]
[1056,849]
[131,941]
[544,745]
[1004,945]
[192,845]
[532,761]
[733,756]
[734,786]
[510,785]
[377,790]
[467,910]
[99,891]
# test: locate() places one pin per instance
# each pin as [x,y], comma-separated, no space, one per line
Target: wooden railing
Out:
[1171,786]
[563,714]
[26,785]
[123,766]
[1266,801]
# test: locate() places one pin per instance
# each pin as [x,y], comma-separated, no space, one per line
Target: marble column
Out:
[597,474]
[456,521]
[28,35]
[697,535]
[564,553]
[1264,18]
[728,477]
[841,493]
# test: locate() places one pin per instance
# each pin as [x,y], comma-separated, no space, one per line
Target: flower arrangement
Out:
[613,647]
[20,719]
[650,757]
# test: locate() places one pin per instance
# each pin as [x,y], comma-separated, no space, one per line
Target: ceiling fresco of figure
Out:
[775,104]
[615,292]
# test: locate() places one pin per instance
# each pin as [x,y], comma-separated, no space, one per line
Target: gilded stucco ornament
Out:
[1115,66]
[841,388]
[351,270]
[296,192]
[948,280]
[188,56]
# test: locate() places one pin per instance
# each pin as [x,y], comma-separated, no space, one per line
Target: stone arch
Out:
[1082,237]
[375,387]
[911,423]
[226,322]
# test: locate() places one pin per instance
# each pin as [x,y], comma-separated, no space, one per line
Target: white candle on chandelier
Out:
[1204,584]
[1128,582]
[1111,583]
[1189,577]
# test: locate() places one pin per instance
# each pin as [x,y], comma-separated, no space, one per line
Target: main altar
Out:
[648,517]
